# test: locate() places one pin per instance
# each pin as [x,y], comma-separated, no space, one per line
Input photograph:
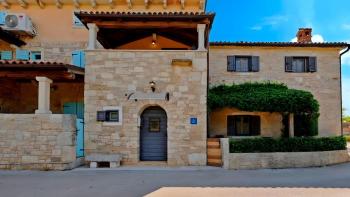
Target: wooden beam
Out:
[146,4]
[40,4]
[165,4]
[201,4]
[93,3]
[32,74]
[149,25]
[111,4]
[23,4]
[59,4]
[76,4]
[182,4]
[129,3]
[5,4]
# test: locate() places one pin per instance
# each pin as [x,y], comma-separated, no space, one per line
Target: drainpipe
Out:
[341,85]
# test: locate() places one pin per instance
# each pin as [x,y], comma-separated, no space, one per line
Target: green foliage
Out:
[264,97]
[347,137]
[346,119]
[306,125]
[296,144]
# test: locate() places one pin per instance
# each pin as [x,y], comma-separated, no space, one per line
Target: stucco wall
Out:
[110,75]
[323,84]
[30,141]
[17,97]
[271,123]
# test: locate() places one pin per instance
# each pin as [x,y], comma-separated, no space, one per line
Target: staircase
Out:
[214,152]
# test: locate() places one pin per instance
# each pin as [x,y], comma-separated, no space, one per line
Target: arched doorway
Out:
[153,134]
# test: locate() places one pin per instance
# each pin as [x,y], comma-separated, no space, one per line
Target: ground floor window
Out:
[243,125]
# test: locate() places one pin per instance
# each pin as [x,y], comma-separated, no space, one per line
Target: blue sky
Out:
[278,20]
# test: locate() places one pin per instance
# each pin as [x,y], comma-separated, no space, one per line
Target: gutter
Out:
[341,87]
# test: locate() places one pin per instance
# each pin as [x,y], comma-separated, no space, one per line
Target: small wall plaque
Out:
[181,62]
[193,120]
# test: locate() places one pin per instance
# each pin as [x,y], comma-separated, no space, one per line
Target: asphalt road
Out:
[139,181]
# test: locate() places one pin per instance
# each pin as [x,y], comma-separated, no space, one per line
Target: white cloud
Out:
[345,59]
[315,38]
[270,21]
[346,26]
[346,94]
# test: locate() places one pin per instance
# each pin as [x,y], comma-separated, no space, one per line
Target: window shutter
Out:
[230,126]
[6,55]
[255,125]
[255,64]
[231,63]
[35,55]
[82,59]
[312,67]
[76,58]
[2,18]
[289,64]
[22,54]
[101,116]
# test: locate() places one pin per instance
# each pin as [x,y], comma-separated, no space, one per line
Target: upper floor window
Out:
[77,22]
[243,63]
[300,64]
[243,125]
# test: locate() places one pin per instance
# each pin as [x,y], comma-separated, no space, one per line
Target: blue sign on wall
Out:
[193,121]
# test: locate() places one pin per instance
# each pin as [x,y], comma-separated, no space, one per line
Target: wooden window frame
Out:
[234,129]
[307,65]
[250,59]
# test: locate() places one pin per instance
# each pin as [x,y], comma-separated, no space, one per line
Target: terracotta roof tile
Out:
[37,64]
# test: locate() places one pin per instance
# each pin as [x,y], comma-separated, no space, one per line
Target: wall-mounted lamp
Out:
[152,84]
[154,39]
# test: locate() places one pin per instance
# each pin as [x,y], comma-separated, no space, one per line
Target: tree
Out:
[345,117]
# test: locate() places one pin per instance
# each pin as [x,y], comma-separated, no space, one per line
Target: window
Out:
[6,55]
[77,22]
[243,125]
[243,63]
[154,124]
[110,116]
[35,55]
[300,64]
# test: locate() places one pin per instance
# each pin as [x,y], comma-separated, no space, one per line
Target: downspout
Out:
[341,87]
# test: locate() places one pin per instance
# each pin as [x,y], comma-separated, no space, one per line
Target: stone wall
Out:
[271,123]
[250,161]
[30,141]
[111,75]
[323,84]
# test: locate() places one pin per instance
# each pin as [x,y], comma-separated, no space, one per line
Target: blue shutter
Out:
[6,55]
[2,18]
[22,54]
[76,59]
[82,59]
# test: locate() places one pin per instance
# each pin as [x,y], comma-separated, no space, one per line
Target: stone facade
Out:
[111,75]
[249,161]
[30,141]
[323,84]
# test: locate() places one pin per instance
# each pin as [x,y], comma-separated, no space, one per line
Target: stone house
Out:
[130,79]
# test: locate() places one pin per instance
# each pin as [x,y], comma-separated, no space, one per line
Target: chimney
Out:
[304,35]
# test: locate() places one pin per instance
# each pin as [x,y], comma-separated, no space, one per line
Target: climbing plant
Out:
[269,97]
[265,97]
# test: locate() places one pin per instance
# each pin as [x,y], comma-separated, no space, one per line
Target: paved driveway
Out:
[130,181]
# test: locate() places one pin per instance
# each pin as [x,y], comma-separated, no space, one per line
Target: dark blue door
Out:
[153,135]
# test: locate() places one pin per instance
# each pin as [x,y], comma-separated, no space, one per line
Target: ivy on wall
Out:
[269,97]
[264,97]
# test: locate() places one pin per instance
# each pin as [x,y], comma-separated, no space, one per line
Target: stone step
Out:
[214,157]
[214,162]
[213,140]
[213,144]
[212,151]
